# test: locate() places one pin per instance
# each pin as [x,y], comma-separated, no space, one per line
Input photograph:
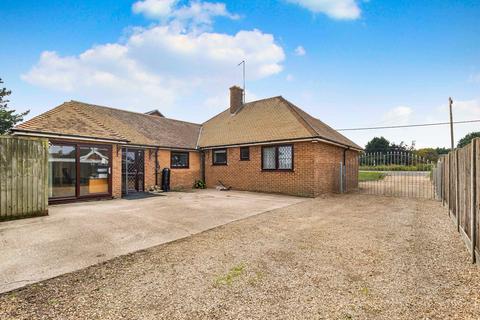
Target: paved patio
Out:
[77,235]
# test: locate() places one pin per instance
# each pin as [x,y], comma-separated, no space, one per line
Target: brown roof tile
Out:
[87,120]
[266,120]
[271,119]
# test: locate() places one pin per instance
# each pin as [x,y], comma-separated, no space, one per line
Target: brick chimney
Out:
[236,99]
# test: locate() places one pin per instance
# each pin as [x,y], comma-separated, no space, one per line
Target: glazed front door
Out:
[132,170]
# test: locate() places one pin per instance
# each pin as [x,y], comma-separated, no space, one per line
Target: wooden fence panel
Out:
[459,192]
[477,193]
[23,177]
[463,190]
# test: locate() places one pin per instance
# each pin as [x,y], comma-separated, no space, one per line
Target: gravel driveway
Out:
[341,257]
[401,184]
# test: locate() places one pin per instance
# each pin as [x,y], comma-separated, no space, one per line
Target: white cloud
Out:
[399,116]
[300,51]
[158,65]
[433,136]
[196,15]
[336,9]
[203,12]
[154,8]
[462,110]
[290,77]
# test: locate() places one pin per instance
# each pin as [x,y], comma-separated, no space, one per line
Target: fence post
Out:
[473,197]
[341,177]
[457,190]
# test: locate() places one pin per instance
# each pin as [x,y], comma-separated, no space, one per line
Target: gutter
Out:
[122,142]
[317,139]
[60,135]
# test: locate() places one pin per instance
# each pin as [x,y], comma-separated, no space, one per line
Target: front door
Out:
[132,170]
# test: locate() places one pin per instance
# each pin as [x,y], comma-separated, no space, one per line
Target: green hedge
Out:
[370,176]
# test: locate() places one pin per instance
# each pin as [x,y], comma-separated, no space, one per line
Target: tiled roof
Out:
[87,120]
[271,119]
[267,120]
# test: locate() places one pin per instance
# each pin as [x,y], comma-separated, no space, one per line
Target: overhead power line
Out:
[409,125]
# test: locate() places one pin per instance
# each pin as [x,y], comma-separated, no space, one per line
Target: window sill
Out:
[219,164]
[278,170]
[174,168]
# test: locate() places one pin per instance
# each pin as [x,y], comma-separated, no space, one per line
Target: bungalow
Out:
[268,145]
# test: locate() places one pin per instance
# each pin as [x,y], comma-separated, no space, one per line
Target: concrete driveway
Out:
[77,235]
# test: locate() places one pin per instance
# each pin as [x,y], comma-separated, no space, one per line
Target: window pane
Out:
[62,173]
[269,158]
[220,156]
[94,163]
[285,157]
[244,153]
[179,159]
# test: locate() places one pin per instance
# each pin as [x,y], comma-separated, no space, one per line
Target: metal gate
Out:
[132,170]
[396,173]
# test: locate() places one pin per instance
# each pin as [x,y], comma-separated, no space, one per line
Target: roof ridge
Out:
[198,137]
[135,112]
[41,116]
[269,98]
[96,122]
[305,123]
[251,102]
[296,109]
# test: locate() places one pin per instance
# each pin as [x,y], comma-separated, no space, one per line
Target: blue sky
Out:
[349,63]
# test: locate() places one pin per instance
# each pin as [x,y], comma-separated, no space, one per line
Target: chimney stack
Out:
[236,99]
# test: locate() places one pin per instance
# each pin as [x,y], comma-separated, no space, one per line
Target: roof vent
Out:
[155,113]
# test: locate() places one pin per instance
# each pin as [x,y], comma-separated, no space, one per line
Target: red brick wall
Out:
[316,171]
[116,171]
[181,178]
[149,168]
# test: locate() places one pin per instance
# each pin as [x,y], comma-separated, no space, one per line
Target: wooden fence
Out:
[457,184]
[23,177]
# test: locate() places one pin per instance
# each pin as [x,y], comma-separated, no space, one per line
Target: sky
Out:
[350,63]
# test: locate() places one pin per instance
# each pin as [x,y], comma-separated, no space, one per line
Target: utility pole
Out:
[243,64]
[450,103]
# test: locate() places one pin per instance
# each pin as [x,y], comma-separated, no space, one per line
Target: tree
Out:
[441,151]
[429,154]
[402,147]
[378,145]
[467,139]
[8,118]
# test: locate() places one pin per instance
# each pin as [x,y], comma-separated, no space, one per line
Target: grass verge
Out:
[370,176]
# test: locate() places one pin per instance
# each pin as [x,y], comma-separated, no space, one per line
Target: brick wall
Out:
[180,178]
[327,168]
[316,171]
[149,168]
[116,171]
